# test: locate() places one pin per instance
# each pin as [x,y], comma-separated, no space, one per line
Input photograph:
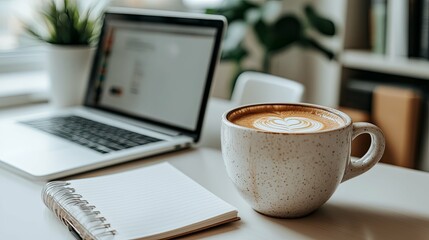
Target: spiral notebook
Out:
[154,202]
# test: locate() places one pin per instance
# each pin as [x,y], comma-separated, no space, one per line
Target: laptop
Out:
[146,95]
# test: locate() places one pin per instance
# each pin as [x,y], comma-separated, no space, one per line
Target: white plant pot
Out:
[68,68]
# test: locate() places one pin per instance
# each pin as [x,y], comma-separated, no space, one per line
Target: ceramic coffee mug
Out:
[286,160]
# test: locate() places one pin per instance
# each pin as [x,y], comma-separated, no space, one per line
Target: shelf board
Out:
[365,60]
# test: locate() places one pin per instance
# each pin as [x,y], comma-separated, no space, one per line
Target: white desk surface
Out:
[385,203]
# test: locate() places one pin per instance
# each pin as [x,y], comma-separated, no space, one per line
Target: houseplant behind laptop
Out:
[71,33]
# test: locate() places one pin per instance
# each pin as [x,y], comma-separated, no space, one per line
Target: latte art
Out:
[288,124]
[286,119]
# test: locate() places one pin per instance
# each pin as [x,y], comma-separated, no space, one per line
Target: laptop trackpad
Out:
[21,138]
[48,154]
[46,163]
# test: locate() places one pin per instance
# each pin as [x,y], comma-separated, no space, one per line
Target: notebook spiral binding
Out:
[81,218]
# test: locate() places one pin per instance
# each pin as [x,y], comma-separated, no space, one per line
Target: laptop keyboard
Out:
[100,137]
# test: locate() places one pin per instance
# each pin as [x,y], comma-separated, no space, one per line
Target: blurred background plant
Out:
[274,30]
[66,23]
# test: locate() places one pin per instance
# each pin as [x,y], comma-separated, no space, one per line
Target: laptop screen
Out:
[155,68]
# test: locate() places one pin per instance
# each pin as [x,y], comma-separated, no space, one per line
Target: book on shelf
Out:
[423,162]
[424,37]
[396,111]
[397,28]
[414,27]
[377,25]
[153,202]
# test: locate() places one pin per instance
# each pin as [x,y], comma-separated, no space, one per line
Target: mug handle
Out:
[356,167]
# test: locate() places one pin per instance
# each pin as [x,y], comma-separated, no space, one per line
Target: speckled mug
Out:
[290,175]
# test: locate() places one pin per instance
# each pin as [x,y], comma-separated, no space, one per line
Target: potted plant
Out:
[275,31]
[71,33]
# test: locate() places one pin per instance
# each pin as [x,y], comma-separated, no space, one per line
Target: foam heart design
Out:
[288,124]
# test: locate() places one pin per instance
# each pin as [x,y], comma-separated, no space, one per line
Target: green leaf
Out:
[33,33]
[321,24]
[311,43]
[236,55]
[66,25]
[287,30]
[284,32]
[263,33]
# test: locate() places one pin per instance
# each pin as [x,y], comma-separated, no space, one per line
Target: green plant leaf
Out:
[33,33]
[66,25]
[236,54]
[275,36]
[287,30]
[263,34]
[312,43]
[321,24]
[82,26]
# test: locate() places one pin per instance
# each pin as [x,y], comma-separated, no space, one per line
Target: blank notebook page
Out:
[150,200]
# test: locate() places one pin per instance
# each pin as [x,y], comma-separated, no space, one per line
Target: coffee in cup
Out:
[286,160]
[286,119]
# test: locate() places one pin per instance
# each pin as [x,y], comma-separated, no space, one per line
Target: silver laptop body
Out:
[151,76]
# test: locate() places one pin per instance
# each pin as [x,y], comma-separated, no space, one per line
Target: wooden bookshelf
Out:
[358,62]
[369,61]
